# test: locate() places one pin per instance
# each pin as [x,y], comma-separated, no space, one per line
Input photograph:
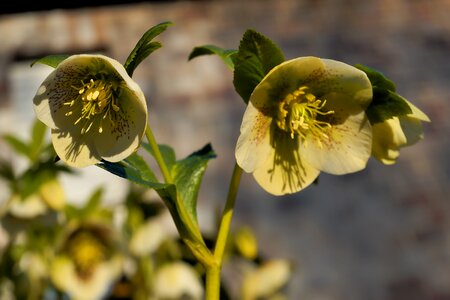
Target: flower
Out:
[88,263]
[178,280]
[397,132]
[94,109]
[307,115]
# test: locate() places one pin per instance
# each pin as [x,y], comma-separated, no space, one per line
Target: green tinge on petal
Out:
[345,80]
[52,193]
[115,144]
[285,172]
[417,113]
[284,79]
[75,151]
[347,149]
[253,145]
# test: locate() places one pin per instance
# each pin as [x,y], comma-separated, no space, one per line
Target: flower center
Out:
[86,252]
[300,113]
[98,101]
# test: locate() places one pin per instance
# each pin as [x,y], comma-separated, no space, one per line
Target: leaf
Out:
[167,153]
[37,139]
[92,204]
[145,47]
[377,79]
[227,55]
[17,144]
[385,105]
[257,55]
[51,60]
[188,174]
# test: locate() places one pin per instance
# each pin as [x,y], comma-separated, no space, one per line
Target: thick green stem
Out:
[193,238]
[158,156]
[213,271]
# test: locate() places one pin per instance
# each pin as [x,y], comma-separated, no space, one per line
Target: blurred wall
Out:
[383,233]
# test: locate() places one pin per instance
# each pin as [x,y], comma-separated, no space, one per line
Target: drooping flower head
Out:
[306,115]
[397,132]
[95,110]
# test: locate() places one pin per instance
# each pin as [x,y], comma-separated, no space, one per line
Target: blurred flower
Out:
[147,238]
[49,194]
[88,264]
[95,110]
[178,280]
[307,115]
[246,243]
[397,132]
[266,280]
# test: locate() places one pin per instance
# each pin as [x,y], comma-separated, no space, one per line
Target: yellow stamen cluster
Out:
[86,252]
[298,113]
[98,101]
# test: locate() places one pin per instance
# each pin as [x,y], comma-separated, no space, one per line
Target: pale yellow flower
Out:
[94,109]
[88,264]
[307,115]
[397,132]
[178,280]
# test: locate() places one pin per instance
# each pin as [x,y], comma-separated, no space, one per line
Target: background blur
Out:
[382,234]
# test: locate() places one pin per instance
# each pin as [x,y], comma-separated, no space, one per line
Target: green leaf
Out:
[227,55]
[145,47]
[377,79]
[51,60]
[257,55]
[17,144]
[92,204]
[37,139]
[188,173]
[386,104]
[167,153]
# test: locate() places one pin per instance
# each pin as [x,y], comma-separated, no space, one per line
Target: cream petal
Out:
[131,84]
[416,112]
[285,172]
[76,151]
[116,143]
[253,145]
[387,138]
[412,129]
[347,150]
[53,93]
[342,80]
[283,79]
[30,207]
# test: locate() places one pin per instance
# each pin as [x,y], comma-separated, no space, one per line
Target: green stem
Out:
[213,271]
[158,156]
[193,239]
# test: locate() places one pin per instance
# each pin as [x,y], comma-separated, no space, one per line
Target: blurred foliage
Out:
[57,250]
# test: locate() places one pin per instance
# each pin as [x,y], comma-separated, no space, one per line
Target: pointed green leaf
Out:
[257,55]
[51,60]
[145,47]
[227,55]
[17,144]
[93,203]
[377,79]
[188,174]
[167,153]
[386,105]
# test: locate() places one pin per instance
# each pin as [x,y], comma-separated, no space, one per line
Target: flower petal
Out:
[347,150]
[343,80]
[388,137]
[285,172]
[283,79]
[253,145]
[76,151]
[118,142]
